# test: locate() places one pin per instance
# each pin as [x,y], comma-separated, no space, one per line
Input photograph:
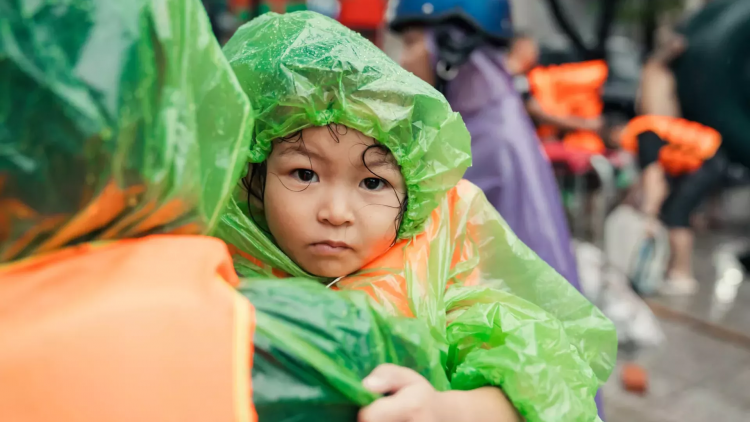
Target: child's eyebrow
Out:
[301,151]
[381,158]
[389,164]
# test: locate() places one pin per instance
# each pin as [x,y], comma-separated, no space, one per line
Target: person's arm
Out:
[536,111]
[486,404]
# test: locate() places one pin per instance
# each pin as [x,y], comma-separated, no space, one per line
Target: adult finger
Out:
[389,378]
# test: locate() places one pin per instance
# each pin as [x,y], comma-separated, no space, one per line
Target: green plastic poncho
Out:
[120,119]
[117,119]
[501,316]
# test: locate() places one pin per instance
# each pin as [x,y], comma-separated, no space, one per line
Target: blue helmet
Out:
[491,18]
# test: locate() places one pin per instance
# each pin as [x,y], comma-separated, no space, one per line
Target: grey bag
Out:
[642,258]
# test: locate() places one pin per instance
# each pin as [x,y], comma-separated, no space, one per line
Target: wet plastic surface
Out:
[117,119]
[314,346]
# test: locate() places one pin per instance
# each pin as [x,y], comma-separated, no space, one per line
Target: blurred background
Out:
[661,248]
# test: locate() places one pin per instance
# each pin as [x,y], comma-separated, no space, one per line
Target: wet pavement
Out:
[724,297]
[702,372]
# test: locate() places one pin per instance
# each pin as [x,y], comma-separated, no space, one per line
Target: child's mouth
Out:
[330,248]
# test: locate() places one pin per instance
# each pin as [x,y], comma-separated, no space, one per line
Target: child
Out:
[112,307]
[354,181]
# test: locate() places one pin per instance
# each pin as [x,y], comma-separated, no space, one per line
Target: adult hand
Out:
[653,225]
[413,399]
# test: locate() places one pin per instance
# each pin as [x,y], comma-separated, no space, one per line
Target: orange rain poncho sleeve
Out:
[499,314]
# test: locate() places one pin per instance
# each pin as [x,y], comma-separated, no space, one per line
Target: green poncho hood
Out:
[303,69]
[117,119]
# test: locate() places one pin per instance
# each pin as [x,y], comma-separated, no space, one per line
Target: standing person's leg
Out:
[687,194]
[653,179]
[681,240]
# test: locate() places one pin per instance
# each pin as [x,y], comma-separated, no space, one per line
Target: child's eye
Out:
[373,183]
[305,175]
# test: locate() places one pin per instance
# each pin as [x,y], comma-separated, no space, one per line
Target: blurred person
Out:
[459,46]
[523,56]
[679,160]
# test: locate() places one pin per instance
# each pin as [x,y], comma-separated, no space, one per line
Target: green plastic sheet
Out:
[314,346]
[499,315]
[117,119]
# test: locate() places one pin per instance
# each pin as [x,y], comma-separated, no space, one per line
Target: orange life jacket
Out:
[689,144]
[146,330]
[571,90]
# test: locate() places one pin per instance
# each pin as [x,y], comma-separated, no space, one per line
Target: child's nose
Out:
[336,211]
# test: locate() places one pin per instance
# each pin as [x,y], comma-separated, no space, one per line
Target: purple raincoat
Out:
[508,162]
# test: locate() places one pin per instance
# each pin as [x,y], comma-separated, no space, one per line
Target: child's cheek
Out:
[285,215]
[379,229]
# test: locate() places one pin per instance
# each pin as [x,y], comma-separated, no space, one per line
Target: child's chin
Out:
[330,269]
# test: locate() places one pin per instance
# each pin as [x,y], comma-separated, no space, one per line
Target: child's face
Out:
[328,210]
